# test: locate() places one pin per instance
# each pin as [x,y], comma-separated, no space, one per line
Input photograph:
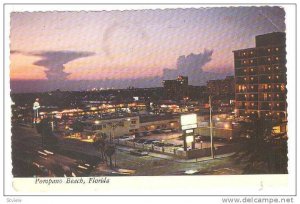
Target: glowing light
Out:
[189,139]
[226,126]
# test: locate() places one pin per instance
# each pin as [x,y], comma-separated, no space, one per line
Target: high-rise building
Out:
[260,75]
[176,89]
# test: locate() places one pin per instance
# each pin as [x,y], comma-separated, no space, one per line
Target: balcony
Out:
[241,97]
[240,105]
[280,78]
[265,106]
[241,80]
[265,97]
[252,80]
[279,88]
[241,72]
[252,88]
[279,106]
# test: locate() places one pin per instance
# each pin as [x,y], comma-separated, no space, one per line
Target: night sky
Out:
[81,50]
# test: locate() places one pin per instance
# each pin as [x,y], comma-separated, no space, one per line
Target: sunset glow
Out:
[132,44]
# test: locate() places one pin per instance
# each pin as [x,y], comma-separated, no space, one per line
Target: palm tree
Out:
[109,151]
[100,144]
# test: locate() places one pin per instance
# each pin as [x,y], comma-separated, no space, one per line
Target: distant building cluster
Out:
[177,88]
[258,89]
[223,87]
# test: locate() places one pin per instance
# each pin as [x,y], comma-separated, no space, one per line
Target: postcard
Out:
[151,100]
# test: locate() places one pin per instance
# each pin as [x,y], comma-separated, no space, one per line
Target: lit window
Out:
[269,50]
[245,70]
[251,87]
[269,59]
[251,52]
[277,77]
[269,77]
[244,61]
[269,86]
[269,68]
[277,49]
[251,78]
[244,53]
[251,70]
[277,58]
[245,79]
[270,104]
[277,104]
[251,61]
[252,95]
[277,67]
[277,95]
[269,95]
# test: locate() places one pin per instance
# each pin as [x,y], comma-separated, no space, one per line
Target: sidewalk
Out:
[168,157]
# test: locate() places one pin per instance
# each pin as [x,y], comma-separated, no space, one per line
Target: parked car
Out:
[182,148]
[139,134]
[178,145]
[83,168]
[159,144]
[166,130]
[150,141]
[127,137]
[175,130]
[146,133]
[169,145]
[139,152]
[199,138]
[140,141]
[157,131]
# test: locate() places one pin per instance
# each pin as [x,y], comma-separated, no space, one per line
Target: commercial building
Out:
[260,75]
[114,126]
[150,123]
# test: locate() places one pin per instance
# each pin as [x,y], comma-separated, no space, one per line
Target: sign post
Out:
[188,124]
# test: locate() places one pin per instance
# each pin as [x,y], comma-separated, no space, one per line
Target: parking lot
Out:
[170,142]
[173,139]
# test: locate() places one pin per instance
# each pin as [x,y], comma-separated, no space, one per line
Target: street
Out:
[29,154]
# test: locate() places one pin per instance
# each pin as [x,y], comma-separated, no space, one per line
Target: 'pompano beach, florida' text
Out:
[88,180]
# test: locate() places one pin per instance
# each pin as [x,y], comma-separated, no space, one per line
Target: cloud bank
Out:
[54,62]
[192,66]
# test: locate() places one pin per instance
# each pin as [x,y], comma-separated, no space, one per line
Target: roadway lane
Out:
[27,150]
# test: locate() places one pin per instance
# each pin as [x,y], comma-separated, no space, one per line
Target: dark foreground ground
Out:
[32,158]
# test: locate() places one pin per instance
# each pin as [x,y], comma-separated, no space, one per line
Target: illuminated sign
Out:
[189,131]
[188,121]
[189,139]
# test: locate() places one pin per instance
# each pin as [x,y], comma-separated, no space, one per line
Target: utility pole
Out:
[211,129]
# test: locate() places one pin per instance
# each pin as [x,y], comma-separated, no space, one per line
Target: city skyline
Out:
[81,50]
